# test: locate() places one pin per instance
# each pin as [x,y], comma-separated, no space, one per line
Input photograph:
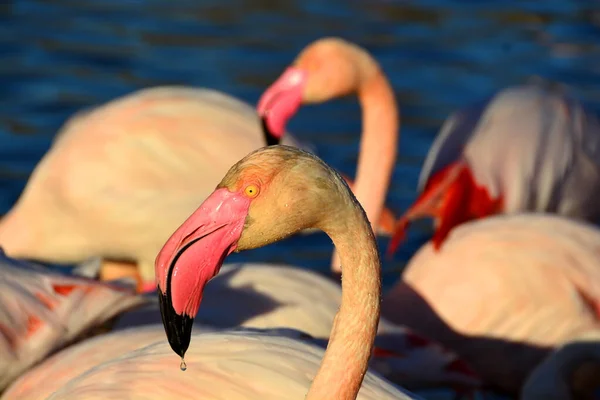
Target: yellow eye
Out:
[251,191]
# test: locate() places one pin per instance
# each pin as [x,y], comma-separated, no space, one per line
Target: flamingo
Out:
[42,311]
[322,72]
[503,291]
[271,194]
[527,148]
[571,372]
[108,168]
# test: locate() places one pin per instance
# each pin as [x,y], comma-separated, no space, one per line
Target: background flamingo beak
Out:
[281,101]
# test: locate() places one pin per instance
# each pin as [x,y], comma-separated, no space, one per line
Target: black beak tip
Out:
[270,138]
[177,327]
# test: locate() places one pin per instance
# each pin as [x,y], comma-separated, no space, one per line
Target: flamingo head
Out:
[325,69]
[272,193]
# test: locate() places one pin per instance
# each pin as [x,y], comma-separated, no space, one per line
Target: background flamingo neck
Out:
[355,325]
[378,145]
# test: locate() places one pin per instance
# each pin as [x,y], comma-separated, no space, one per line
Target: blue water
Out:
[58,57]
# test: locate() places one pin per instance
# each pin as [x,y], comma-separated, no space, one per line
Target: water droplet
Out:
[183,365]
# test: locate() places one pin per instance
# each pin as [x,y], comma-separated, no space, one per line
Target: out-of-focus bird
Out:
[420,365]
[330,68]
[240,364]
[270,296]
[503,291]
[527,148]
[42,311]
[139,165]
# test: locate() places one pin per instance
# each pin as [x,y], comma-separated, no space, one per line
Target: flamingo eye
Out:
[251,191]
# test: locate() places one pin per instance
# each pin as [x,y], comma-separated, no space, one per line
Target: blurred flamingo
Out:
[420,367]
[330,68]
[270,296]
[238,364]
[527,148]
[503,291]
[159,151]
[42,311]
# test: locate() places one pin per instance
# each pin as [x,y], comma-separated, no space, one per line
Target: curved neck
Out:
[355,325]
[379,143]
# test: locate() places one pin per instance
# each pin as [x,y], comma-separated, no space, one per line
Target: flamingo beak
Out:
[192,256]
[280,102]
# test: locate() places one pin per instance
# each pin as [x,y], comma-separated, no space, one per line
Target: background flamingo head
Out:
[325,69]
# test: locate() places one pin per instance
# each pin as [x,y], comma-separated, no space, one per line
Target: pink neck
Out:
[378,146]
[355,325]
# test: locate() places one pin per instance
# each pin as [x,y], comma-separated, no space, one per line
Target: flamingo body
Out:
[106,170]
[41,311]
[236,364]
[108,167]
[263,296]
[530,280]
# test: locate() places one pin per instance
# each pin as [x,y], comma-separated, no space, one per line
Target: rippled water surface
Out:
[60,56]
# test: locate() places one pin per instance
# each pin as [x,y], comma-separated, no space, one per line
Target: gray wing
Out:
[586,126]
[450,141]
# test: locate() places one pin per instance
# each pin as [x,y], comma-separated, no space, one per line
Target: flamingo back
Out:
[229,365]
[108,167]
[533,278]
[40,312]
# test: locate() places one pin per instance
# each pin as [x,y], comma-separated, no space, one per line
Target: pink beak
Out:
[281,101]
[192,256]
